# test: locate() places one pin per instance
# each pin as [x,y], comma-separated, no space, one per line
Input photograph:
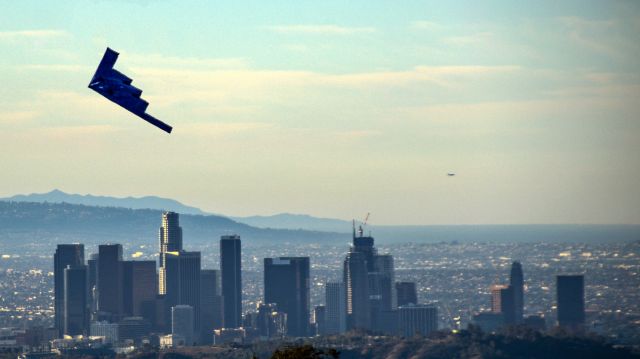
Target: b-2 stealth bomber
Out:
[116,87]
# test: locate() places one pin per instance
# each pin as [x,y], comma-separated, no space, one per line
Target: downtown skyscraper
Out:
[570,299]
[65,255]
[406,293]
[230,269]
[502,302]
[368,278]
[76,306]
[516,281]
[170,238]
[182,323]
[356,282]
[508,300]
[384,280]
[286,283]
[183,283]
[110,282]
[335,308]
[210,304]
[140,288]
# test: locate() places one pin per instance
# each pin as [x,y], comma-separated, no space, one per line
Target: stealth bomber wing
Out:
[116,87]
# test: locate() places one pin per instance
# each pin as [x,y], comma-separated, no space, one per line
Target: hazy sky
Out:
[333,108]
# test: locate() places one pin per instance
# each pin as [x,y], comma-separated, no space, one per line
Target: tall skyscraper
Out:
[365,246]
[140,287]
[385,268]
[357,291]
[230,269]
[516,280]
[183,282]
[92,275]
[65,255]
[76,309]
[382,294]
[182,319]
[170,237]
[368,279]
[375,301]
[110,283]
[570,296]
[406,292]
[286,283]
[417,319]
[126,268]
[170,233]
[336,308]
[319,319]
[210,304]
[502,301]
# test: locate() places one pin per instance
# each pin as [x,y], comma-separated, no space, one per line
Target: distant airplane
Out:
[116,87]
[451,174]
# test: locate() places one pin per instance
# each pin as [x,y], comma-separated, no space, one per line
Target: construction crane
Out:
[364,223]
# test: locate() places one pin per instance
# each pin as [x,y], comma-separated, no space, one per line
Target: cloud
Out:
[320,29]
[13,117]
[579,22]
[425,25]
[81,131]
[357,134]
[477,38]
[487,114]
[249,78]
[158,60]
[296,47]
[32,34]
[55,67]
[466,70]
[218,129]
[596,35]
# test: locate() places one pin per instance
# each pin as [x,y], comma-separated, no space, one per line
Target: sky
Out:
[333,108]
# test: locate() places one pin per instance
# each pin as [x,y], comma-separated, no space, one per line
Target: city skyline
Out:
[369,298]
[340,110]
[442,286]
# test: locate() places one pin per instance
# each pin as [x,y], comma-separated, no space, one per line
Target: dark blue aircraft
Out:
[116,86]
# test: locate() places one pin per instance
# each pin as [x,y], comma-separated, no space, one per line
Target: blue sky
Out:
[333,108]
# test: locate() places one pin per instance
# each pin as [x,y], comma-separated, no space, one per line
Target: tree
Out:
[304,352]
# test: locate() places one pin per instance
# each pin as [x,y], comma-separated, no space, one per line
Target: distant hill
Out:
[69,216]
[297,221]
[278,221]
[30,225]
[148,202]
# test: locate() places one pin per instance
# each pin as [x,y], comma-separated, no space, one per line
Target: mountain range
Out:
[57,215]
[148,202]
[30,227]
[278,221]
[297,221]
